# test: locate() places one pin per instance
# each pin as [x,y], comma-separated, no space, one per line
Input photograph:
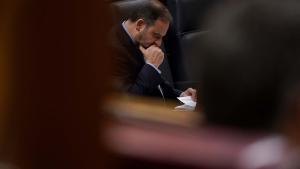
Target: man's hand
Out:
[190,92]
[153,55]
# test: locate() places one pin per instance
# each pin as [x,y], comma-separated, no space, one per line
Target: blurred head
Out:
[250,62]
[151,20]
[46,109]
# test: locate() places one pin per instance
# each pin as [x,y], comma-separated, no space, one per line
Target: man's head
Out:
[250,63]
[150,21]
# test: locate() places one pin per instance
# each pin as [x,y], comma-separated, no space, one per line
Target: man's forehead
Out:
[162,22]
[160,27]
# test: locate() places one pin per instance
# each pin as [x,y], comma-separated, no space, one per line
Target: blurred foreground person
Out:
[53,50]
[250,77]
[137,42]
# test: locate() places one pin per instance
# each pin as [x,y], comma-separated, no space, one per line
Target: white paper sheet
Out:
[188,103]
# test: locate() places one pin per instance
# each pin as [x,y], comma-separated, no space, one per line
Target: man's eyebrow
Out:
[158,34]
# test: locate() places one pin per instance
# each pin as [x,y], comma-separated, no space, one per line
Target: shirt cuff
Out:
[154,67]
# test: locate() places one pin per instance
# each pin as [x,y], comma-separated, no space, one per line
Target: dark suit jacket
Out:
[131,74]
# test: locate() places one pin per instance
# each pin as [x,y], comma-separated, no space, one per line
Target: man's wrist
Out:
[156,68]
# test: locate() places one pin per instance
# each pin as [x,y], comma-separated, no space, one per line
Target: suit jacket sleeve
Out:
[146,82]
[141,80]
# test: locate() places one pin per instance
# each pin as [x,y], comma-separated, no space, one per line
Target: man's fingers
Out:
[152,55]
[143,50]
[193,93]
[194,96]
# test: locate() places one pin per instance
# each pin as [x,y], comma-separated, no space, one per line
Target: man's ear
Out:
[140,24]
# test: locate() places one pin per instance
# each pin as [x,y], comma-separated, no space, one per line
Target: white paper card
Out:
[188,103]
[187,100]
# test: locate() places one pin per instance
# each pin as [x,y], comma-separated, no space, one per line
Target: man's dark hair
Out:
[150,11]
[250,62]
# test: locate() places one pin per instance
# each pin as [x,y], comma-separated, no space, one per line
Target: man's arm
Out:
[147,80]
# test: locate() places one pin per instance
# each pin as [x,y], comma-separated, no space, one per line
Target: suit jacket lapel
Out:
[131,46]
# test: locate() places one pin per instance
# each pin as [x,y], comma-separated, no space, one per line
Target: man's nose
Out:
[158,42]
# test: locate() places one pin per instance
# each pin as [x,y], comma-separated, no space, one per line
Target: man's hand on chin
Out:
[190,92]
[153,55]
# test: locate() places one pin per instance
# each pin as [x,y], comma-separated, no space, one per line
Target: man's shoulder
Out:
[119,41]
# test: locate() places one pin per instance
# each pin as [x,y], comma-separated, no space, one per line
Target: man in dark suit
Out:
[136,42]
